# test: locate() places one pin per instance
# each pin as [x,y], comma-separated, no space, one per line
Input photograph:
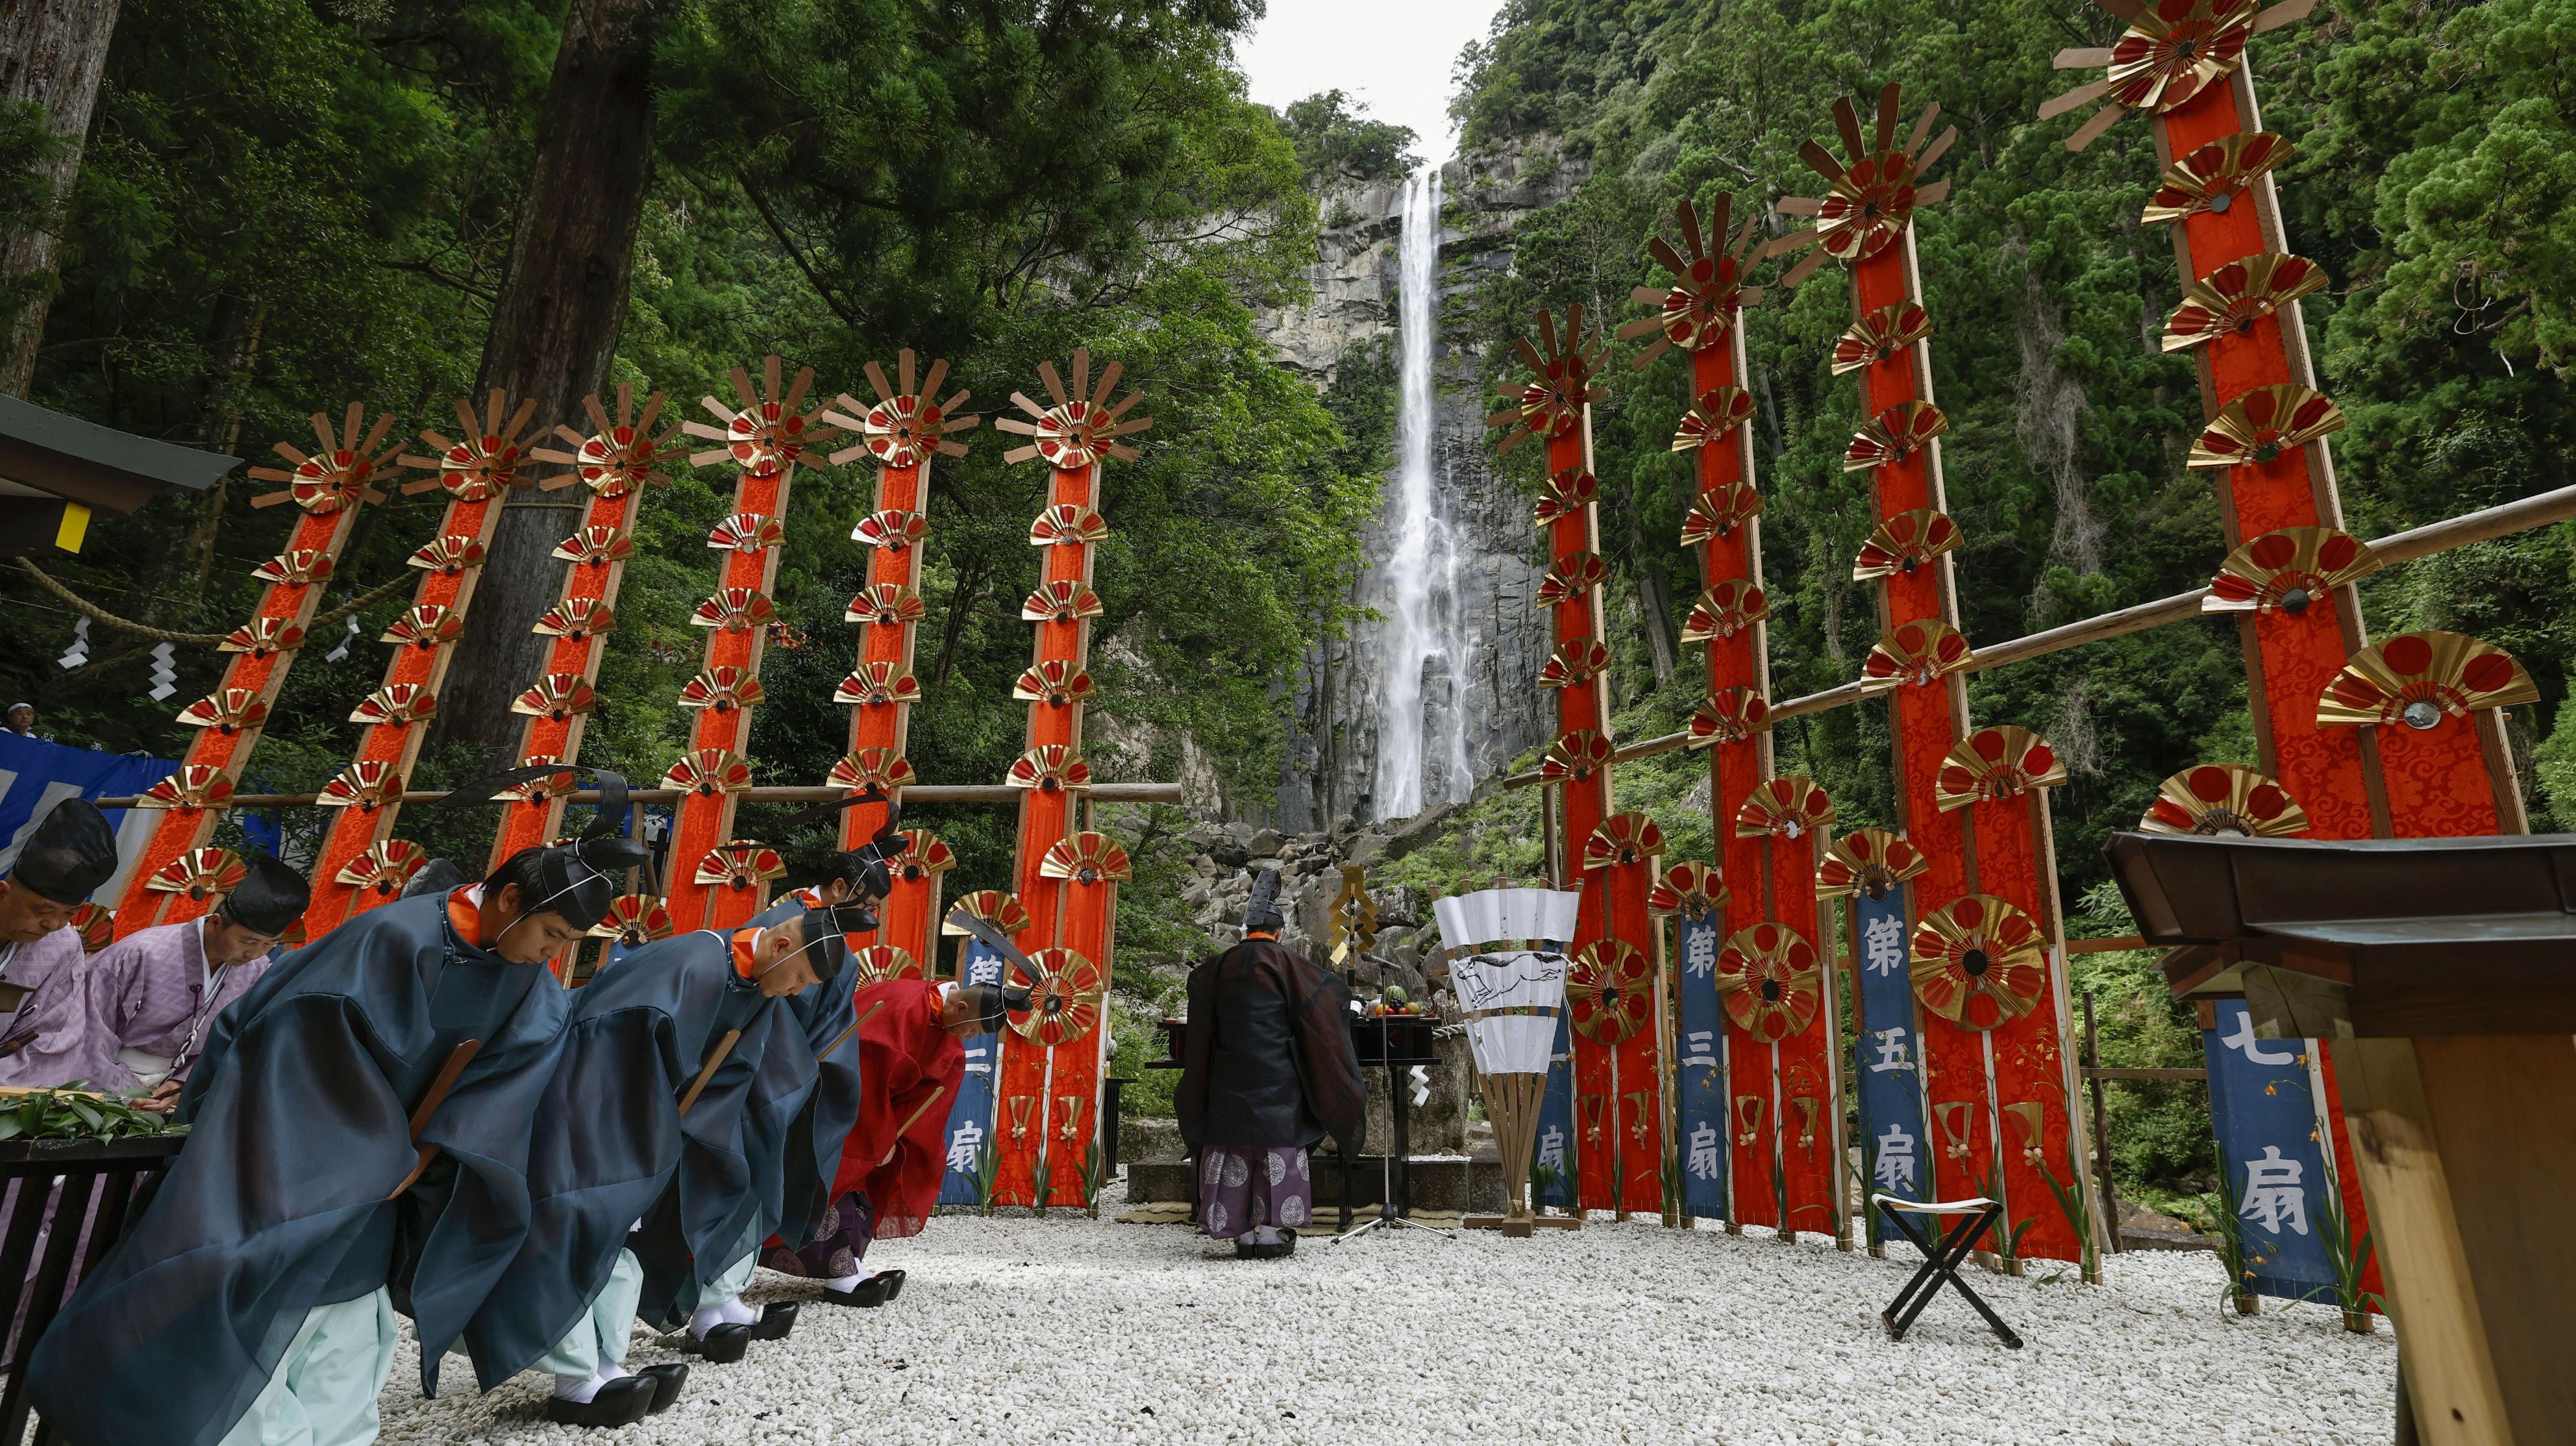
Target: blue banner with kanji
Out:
[2263,1097]
[1887,1050]
[971,1149]
[1552,1162]
[1699,1069]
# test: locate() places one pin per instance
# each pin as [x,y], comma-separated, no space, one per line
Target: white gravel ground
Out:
[1070,1330]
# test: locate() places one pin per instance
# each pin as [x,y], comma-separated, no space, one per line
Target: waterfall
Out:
[1422,739]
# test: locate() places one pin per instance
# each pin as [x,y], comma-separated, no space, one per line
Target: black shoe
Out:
[667,1378]
[621,1402]
[1287,1241]
[723,1345]
[776,1319]
[893,1282]
[869,1293]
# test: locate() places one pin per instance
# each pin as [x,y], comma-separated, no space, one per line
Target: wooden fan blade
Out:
[287,450]
[1021,400]
[1750,296]
[2091,131]
[1081,370]
[903,370]
[1798,206]
[1939,149]
[876,382]
[465,418]
[2288,12]
[1669,259]
[652,409]
[1108,382]
[1887,96]
[1641,326]
[1129,400]
[2082,57]
[2127,10]
[1687,216]
[519,419]
[1054,382]
[1019,454]
[270,499]
[1934,194]
[1744,238]
[1510,416]
[1820,160]
[797,389]
[2056,106]
[772,367]
[1646,296]
[1847,124]
[1803,269]
[625,402]
[1783,245]
[599,414]
[955,423]
[938,374]
[1654,349]
[1529,354]
[1547,334]
[1922,128]
[376,433]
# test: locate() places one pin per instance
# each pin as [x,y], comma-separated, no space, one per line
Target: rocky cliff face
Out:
[1331,766]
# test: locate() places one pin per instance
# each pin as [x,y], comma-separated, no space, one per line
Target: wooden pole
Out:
[920,793]
[2101,1124]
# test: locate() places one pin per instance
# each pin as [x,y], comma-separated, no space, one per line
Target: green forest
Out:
[282,207]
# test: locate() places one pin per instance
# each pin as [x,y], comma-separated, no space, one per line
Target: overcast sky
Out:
[1393,54]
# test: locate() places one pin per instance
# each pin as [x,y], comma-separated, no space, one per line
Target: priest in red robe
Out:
[911,1057]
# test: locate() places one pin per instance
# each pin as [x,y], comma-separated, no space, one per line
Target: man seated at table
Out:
[134,1016]
[69,854]
[1267,1069]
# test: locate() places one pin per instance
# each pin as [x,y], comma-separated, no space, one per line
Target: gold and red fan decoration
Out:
[885,605]
[922,855]
[543,788]
[261,637]
[1610,990]
[1575,756]
[1054,682]
[2212,179]
[1621,840]
[1066,525]
[1087,858]
[297,567]
[384,868]
[1564,495]
[2239,294]
[1050,768]
[2264,423]
[708,772]
[1725,610]
[340,475]
[1769,982]
[556,695]
[1868,861]
[1061,602]
[750,532]
[94,925]
[396,705]
[908,424]
[2418,679]
[1551,402]
[1872,191]
[734,609]
[1730,715]
[992,906]
[634,920]
[449,555]
[1917,653]
[770,431]
[367,785]
[230,710]
[1699,308]
[593,546]
[891,528]
[723,688]
[426,625]
[201,874]
[195,785]
[739,866]
[878,685]
[1978,962]
[1718,512]
[2224,798]
[2289,570]
[1720,411]
[877,963]
[577,617]
[1904,543]
[1081,427]
[1571,576]
[1894,435]
[1575,663]
[1993,763]
[2172,51]
[1064,1000]
[619,456]
[1692,890]
[1882,335]
[485,462]
[1791,806]
[871,772]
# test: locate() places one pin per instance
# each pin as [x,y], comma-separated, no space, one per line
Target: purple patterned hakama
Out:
[1242,1189]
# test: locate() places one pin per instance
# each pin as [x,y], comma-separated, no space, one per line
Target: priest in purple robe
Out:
[68,855]
[132,1018]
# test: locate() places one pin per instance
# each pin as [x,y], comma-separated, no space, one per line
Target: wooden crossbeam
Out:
[919,793]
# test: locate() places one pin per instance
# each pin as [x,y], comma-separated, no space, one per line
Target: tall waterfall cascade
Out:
[1426,645]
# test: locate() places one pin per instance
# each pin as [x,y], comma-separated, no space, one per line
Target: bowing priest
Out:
[359,1133]
[132,1017]
[69,855]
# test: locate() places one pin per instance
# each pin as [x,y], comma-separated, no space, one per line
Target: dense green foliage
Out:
[1335,139]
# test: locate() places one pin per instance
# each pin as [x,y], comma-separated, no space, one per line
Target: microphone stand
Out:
[1386,1216]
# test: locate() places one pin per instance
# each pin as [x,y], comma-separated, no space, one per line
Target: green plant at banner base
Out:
[1672,1189]
[1543,1181]
[2351,1259]
[71,1115]
[1041,1186]
[2076,1217]
[1780,1197]
[1095,1169]
[988,1168]
[2231,1246]
[1873,1229]
[2007,1239]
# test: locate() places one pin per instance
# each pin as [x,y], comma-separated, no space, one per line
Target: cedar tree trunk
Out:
[52,53]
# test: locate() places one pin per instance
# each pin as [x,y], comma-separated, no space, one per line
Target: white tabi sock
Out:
[707,1318]
[736,1313]
[843,1284]
[579,1389]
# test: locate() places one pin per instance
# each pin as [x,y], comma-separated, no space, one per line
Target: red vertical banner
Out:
[1786,1140]
[716,881]
[620,457]
[328,487]
[1611,995]
[1073,435]
[1088,867]
[360,865]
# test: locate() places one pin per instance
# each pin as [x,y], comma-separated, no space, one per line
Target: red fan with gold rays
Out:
[1769,982]
[557,696]
[2173,50]
[1609,990]
[1571,576]
[1576,756]
[2239,294]
[1575,663]
[723,688]
[1881,336]
[2213,179]
[1622,839]
[1718,512]
[201,874]
[2418,679]
[1061,602]
[922,854]
[908,423]
[1725,610]
[1916,653]
[748,532]
[870,772]
[2224,798]
[227,711]
[739,866]
[1692,890]
[1064,999]
[1730,715]
[340,475]
[593,546]
[1054,682]
[622,454]
[885,605]
[1868,861]
[486,462]
[1719,412]
[1894,435]
[1565,494]
[1699,308]
[1979,962]
[1790,806]
[385,867]
[1904,543]
[634,919]
[878,963]
[992,906]
[1087,858]
[1050,768]
[2264,423]
[1871,193]
[734,609]
[1995,763]
[195,785]
[878,685]
[1551,402]
[2289,570]
[709,771]
[576,617]
[367,785]
[1081,427]
[770,431]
